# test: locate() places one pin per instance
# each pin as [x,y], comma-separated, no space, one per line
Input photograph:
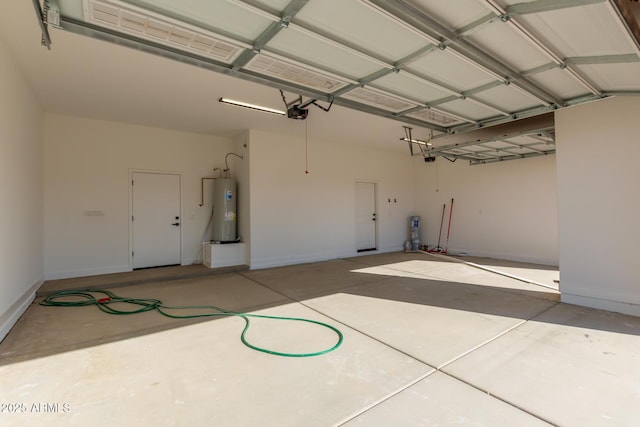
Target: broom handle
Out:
[441,222]
[446,249]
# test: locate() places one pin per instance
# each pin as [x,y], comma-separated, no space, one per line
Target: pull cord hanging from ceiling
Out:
[306,147]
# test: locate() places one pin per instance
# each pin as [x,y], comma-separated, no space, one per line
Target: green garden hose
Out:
[85,297]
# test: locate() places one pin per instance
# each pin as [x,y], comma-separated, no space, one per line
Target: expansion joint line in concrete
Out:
[503,333]
[435,368]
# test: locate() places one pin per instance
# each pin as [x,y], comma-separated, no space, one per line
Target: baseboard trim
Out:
[505,256]
[88,272]
[602,304]
[10,317]
[321,257]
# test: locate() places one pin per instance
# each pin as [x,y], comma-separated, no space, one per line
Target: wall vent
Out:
[140,23]
[378,99]
[283,70]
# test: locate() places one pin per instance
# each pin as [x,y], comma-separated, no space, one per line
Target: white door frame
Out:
[375,207]
[130,221]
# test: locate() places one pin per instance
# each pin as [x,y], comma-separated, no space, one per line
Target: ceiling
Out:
[440,67]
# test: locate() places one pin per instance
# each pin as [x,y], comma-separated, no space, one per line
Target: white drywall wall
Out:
[87,166]
[298,217]
[21,265]
[599,204]
[504,210]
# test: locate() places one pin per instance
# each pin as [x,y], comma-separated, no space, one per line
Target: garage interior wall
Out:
[597,152]
[240,172]
[298,217]
[506,210]
[87,166]
[21,191]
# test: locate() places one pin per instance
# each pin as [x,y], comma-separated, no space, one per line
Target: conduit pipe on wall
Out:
[226,171]
[202,185]
[202,191]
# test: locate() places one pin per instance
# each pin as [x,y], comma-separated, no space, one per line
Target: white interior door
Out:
[155,219]
[365,216]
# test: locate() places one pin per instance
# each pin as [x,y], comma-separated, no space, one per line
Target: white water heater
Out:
[224,210]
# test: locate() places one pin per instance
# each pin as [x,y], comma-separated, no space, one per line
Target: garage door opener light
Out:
[252,106]
[416,141]
[411,140]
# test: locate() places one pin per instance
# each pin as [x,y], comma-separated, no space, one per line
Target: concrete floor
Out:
[428,340]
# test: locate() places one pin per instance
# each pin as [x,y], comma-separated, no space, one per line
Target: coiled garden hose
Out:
[85,297]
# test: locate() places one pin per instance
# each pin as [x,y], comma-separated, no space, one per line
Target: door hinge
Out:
[131,253]
[132,183]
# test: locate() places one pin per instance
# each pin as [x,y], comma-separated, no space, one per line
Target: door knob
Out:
[176,224]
